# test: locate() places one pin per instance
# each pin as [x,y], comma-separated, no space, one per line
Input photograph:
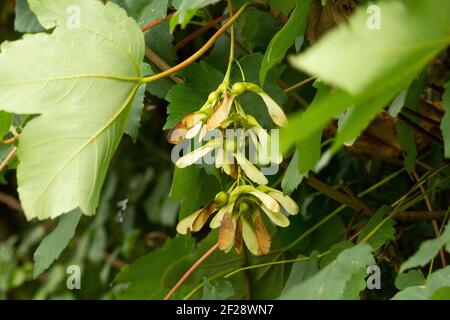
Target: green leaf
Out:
[292,177]
[200,80]
[192,197]
[331,282]
[315,118]
[409,279]
[84,101]
[5,123]
[335,250]
[220,290]
[146,11]
[357,58]
[441,294]
[145,274]
[428,250]
[26,20]
[385,233]
[411,35]
[406,138]
[284,6]
[445,124]
[285,38]
[134,119]
[437,280]
[55,242]
[186,11]
[309,149]
[300,272]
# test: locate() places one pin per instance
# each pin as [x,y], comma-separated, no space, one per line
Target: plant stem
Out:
[191,269]
[8,157]
[200,52]
[155,23]
[231,59]
[202,30]
[300,84]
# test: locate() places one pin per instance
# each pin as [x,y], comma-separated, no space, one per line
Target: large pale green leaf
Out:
[55,242]
[285,38]
[437,280]
[82,79]
[381,64]
[331,282]
[428,250]
[357,58]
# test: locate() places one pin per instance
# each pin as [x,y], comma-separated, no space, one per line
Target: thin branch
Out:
[421,116]
[155,23]
[11,140]
[191,269]
[160,63]
[300,84]
[10,201]
[336,195]
[202,30]
[200,52]
[8,157]
[421,130]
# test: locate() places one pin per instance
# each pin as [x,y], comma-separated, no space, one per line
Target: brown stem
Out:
[11,202]
[336,195]
[421,130]
[202,30]
[160,63]
[200,52]
[155,23]
[421,116]
[8,157]
[191,269]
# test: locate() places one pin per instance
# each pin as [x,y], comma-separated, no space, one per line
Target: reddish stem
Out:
[8,157]
[155,23]
[191,269]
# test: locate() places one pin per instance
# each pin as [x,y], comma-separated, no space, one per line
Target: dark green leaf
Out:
[145,274]
[285,38]
[218,290]
[383,234]
[55,242]
[331,282]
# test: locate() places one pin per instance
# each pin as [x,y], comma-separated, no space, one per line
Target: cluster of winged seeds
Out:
[238,211]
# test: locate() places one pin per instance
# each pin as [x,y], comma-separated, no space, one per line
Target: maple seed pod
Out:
[244,207]
[221,198]
[213,96]
[238,88]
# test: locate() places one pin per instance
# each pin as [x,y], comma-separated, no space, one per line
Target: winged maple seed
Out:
[238,212]
[216,112]
[238,215]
